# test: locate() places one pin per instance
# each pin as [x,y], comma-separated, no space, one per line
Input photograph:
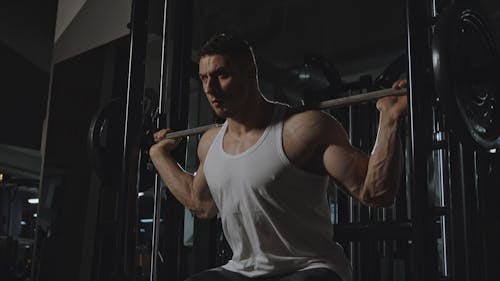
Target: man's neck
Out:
[256,115]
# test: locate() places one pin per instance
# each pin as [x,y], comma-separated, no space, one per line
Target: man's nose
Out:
[212,85]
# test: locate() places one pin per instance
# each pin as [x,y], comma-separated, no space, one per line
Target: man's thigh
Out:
[315,274]
[219,274]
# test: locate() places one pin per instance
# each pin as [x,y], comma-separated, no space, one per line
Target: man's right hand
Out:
[162,144]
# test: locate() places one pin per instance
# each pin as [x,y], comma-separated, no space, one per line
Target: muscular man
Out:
[266,171]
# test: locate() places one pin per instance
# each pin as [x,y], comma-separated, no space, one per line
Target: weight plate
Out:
[105,133]
[465,61]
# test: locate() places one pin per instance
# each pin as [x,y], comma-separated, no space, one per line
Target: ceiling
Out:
[283,31]
[356,38]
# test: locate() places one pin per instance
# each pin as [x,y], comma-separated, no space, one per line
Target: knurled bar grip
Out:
[329,104]
[361,98]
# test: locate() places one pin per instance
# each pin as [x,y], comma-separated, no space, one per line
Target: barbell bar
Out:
[328,104]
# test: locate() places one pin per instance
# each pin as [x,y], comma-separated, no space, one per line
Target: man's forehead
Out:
[214,58]
[214,61]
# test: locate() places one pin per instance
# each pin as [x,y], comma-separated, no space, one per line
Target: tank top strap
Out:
[217,142]
[277,130]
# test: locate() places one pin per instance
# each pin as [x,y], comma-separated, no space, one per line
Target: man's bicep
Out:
[202,193]
[200,184]
[347,166]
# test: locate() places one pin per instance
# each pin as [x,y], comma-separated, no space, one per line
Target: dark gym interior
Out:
[85,83]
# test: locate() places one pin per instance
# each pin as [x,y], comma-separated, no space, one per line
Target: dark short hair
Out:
[230,44]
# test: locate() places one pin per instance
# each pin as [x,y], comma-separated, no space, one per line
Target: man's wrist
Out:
[157,151]
[389,120]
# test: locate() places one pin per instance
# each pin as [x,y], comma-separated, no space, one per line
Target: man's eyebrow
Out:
[217,71]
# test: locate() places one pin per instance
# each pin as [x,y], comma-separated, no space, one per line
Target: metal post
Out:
[175,74]
[157,182]
[127,202]
[424,259]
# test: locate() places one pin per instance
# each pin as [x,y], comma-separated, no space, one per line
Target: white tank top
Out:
[275,216]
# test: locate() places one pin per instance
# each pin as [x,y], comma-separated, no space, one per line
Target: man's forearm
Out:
[384,165]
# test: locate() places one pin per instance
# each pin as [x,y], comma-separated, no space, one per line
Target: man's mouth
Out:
[217,102]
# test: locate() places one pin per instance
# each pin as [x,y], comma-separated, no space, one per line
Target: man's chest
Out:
[235,145]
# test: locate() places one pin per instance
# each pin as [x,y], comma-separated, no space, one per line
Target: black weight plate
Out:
[465,62]
[103,142]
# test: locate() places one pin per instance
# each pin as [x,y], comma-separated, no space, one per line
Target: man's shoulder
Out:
[313,124]
[307,118]
[210,134]
[206,141]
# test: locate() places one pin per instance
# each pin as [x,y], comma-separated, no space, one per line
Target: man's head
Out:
[228,73]
[231,45]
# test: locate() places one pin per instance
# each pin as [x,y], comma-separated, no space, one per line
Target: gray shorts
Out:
[220,274]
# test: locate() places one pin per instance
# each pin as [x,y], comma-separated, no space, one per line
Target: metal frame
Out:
[423,241]
[127,200]
[173,109]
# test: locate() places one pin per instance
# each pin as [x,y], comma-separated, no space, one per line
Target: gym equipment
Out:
[329,104]
[392,72]
[105,127]
[465,62]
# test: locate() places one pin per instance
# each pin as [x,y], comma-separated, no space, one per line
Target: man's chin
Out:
[221,113]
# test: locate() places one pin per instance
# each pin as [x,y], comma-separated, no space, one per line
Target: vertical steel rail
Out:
[350,200]
[157,182]
[439,136]
[127,202]
[178,73]
[420,96]
[173,104]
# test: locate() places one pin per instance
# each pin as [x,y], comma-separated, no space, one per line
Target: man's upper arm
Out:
[346,164]
[200,185]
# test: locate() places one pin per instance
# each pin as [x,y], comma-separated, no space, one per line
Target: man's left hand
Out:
[394,106]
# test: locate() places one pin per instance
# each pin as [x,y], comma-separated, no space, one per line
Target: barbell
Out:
[328,104]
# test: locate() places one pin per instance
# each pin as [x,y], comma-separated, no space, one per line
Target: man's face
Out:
[225,83]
